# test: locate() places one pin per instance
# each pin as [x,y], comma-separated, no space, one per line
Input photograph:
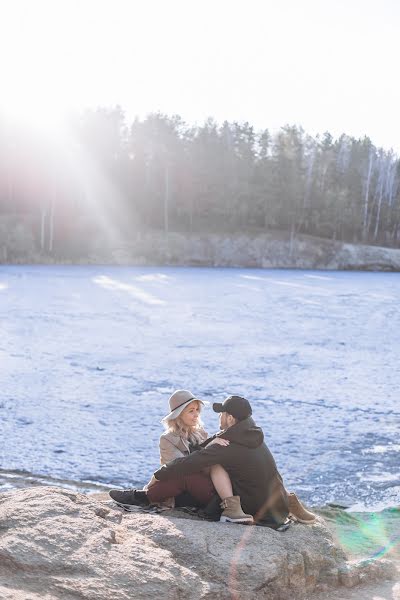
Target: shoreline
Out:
[251,249]
[11,479]
[14,479]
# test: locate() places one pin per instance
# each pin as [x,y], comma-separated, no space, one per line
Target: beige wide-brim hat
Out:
[179,400]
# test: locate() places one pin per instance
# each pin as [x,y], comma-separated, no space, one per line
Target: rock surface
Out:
[58,544]
[264,250]
[384,590]
[259,249]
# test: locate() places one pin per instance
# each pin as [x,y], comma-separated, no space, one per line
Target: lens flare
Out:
[369,535]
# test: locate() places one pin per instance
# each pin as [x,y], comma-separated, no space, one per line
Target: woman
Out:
[184,434]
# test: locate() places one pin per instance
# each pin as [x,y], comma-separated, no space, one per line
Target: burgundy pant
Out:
[198,485]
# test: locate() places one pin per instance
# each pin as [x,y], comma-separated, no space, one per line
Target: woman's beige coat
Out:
[173,446]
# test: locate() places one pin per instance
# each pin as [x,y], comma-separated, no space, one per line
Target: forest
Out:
[100,176]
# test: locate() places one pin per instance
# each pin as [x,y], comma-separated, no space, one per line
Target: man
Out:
[248,461]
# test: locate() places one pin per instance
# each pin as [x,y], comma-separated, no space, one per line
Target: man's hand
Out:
[218,440]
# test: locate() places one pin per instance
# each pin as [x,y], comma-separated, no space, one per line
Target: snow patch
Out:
[254,277]
[319,277]
[158,277]
[115,285]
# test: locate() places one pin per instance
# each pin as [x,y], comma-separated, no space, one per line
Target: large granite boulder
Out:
[58,544]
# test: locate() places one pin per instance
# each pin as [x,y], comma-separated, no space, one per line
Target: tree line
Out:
[101,174]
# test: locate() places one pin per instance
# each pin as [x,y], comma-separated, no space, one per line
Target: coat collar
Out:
[177,441]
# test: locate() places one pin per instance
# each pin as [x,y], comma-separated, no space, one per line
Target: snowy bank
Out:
[262,250]
[276,250]
[57,544]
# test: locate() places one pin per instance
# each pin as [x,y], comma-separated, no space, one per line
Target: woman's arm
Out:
[168,451]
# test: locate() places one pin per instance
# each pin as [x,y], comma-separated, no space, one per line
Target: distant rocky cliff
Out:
[257,250]
[267,250]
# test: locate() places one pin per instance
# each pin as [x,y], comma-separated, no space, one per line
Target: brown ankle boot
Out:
[299,512]
[233,512]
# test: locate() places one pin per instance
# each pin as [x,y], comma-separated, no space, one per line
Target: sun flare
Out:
[44,63]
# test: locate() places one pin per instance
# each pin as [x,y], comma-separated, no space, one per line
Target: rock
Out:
[57,544]
[365,571]
[261,249]
[269,249]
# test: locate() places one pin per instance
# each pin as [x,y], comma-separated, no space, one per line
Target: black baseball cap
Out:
[236,406]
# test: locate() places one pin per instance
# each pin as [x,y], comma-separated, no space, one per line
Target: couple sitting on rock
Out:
[232,471]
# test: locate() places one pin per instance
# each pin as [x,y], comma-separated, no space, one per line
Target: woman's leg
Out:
[161,490]
[198,485]
[233,511]
[221,481]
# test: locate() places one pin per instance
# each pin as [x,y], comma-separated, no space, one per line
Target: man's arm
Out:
[203,444]
[195,462]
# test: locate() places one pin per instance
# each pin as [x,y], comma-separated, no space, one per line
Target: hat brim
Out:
[175,413]
[218,407]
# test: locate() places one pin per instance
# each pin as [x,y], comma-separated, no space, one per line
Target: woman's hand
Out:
[218,440]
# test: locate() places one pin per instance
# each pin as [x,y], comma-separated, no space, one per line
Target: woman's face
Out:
[190,415]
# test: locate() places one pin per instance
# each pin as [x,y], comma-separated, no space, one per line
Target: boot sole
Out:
[304,521]
[229,520]
[128,507]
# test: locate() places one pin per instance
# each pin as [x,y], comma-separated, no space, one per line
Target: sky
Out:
[322,64]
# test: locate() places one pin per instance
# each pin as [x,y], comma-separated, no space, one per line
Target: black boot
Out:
[212,511]
[129,497]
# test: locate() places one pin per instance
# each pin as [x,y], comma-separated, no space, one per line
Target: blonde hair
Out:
[192,434]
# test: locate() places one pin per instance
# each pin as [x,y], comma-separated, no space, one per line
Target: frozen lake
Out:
[89,356]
